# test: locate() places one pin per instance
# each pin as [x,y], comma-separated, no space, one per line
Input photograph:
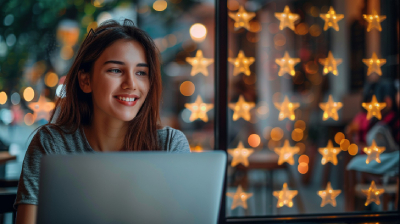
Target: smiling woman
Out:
[112,95]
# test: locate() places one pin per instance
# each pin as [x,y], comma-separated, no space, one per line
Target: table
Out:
[5,156]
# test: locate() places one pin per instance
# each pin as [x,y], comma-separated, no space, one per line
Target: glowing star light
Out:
[240,155]
[286,109]
[330,64]
[241,64]
[373,194]
[374,108]
[242,18]
[329,153]
[374,64]
[286,153]
[373,152]
[329,195]
[241,109]
[331,19]
[287,64]
[374,21]
[42,108]
[239,198]
[285,196]
[287,18]
[199,63]
[330,109]
[199,109]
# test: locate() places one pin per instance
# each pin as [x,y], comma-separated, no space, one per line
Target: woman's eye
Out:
[141,73]
[114,70]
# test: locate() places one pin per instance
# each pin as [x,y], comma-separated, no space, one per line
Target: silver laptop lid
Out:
[131,187]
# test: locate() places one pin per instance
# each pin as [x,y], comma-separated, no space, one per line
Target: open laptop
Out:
[131,187]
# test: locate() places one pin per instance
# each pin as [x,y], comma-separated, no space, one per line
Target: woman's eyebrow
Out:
[142,65]
[123,63]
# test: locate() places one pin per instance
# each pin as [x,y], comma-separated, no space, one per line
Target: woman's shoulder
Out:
[172,139]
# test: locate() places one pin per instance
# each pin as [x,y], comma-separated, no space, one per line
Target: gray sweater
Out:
[51,141]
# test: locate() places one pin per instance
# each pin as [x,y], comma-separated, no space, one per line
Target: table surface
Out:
[5,156]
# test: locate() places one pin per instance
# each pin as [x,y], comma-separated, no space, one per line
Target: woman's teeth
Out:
[126,99]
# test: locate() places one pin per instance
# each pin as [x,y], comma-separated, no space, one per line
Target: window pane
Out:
[304,137]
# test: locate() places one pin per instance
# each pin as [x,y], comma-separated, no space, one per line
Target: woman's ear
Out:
[84,82]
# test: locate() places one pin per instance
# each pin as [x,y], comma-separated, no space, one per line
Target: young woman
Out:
[110,103]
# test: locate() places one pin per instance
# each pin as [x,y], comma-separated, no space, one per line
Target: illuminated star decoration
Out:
[286,109]
[242,18]
[286,153]
[374,21]
[199,109]
[373,152]
[241,64]
[331,19]
[287,18]
[199,63]
[374,64]
[330,64]
[330,109]
[329,195]
[240,155]
[329,153]
[239,198]
[373,194]
[285,196]
[287,64]
[241,109]
[41,109]
[374,108]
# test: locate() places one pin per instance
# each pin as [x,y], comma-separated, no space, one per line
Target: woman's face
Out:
[120,80]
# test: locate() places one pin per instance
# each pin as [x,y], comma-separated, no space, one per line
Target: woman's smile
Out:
[127,100]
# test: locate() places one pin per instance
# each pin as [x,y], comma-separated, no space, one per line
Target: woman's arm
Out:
[26,214]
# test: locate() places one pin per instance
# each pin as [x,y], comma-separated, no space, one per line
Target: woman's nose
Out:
[129,82]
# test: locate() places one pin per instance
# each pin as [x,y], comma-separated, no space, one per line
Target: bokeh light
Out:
[339,137]
[302,147]
[160,5]
[304,159]
[92,25]
[315,30]
[254,140]
[29,94]
[297,134]
[29,119]
[267,132]
[353,149]
[15,98]
[273,144]
[51,79]
[300,124]
[311,67]
[3,97]
[255,26]
[302,168]
[344,144]
[198,32]
[276,134]
[279,39]
[66,52]
[187,88]
[301,29]
[233,5]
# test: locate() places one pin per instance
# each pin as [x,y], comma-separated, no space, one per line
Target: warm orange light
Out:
[302,168]
[66,52]
[339,137]
[187,88]
[51,79]
[276,134]
[301,29]
[160,5]
[92,25]
[353,149]
[29,94]
[198,32]
[297,134]
[29,119]
[301,146]
[3,97]
[300,124]
[344,144]
[304,159]
[254,140]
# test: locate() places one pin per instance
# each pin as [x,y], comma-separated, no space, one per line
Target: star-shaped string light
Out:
[287,18]
[374,21]
[331,19]
[330,109]
[41,109]
[241,109]
[241,64]
[287,64]
[286,153]
[199,109]
[239,198]
[330,64]
[199,63]
[329,153]
[373,152]
[374,108]
[285,196]
[373,194]
[240,155]
[329,195]
[286,109]
[242,18]
[374,64]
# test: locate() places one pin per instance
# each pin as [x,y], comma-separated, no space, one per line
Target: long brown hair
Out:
[75,108]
